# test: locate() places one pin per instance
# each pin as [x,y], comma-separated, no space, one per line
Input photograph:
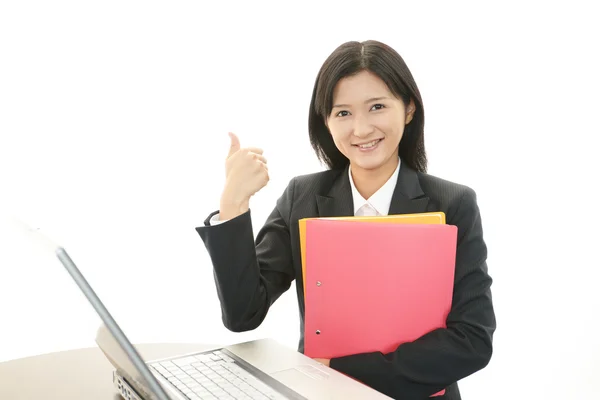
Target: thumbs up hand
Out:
[245,174]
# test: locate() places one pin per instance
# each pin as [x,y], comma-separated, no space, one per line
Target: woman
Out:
[366,124]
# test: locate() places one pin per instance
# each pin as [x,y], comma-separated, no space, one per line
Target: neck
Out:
[369,181]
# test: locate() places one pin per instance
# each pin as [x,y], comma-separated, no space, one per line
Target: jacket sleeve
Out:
[418,369]
[250,274]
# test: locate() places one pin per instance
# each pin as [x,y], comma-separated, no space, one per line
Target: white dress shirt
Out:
[377,204]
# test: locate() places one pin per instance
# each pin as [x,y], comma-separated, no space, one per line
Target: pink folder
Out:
[371,287]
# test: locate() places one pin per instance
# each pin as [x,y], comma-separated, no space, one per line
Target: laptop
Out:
[259,369]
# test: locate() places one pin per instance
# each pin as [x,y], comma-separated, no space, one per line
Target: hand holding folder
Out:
[372,286]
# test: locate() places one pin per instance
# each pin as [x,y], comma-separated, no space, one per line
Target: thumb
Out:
[235,144]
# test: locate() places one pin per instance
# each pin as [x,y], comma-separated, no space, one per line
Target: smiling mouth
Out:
[368,145]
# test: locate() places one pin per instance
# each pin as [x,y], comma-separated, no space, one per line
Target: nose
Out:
[362,126]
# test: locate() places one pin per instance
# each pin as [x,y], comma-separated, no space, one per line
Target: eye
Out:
[342,114]
[377,106]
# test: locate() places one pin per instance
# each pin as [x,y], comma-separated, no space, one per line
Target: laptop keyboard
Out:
[214,376]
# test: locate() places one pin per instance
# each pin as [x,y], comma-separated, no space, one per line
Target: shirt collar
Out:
[381,199]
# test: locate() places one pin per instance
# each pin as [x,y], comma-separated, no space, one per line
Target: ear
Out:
[410,111]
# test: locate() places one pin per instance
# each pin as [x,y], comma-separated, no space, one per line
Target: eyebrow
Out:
[366,101]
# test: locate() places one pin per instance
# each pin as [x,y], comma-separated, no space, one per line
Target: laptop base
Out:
[124,388]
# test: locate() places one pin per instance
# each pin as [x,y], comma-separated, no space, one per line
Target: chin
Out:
[371,163]
[368,164]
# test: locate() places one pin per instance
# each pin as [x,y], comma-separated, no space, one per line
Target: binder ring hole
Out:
[318,332]
[318,283]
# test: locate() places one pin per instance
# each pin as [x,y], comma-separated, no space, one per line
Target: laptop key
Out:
[202,357]
[226,358]
[215,376]
[183,361]
[258,396]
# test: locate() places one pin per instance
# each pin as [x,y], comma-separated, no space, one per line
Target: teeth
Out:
[370,144]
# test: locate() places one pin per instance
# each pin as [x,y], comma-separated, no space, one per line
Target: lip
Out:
[360,144]
[369,149]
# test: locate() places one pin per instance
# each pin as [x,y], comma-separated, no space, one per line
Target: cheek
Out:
[394,129]
[339,134]
[341,141]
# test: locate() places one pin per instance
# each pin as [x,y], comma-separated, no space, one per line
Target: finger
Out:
[259,157]
[254,150]
[235,144]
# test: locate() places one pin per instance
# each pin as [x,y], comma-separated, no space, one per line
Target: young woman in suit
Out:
[366,123]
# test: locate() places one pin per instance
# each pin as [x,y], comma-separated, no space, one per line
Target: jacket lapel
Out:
[408,197]
[338,201]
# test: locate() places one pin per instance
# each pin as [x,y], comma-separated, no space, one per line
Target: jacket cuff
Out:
[356,365]
[207,220]
[212,214]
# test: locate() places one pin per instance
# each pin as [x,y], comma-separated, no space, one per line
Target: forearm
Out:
[250,274]
[440,357]
[241,291]
[423,367]
[231,207]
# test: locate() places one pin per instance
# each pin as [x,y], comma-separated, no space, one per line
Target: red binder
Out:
[371,287]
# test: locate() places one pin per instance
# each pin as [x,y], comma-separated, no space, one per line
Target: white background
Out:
[114,120]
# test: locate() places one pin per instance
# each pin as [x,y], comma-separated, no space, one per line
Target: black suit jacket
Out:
[251,274]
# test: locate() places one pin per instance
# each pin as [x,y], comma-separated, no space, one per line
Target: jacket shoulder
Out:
[442,190]
[455,199]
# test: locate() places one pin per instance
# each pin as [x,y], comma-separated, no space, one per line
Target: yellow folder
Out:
[420,218]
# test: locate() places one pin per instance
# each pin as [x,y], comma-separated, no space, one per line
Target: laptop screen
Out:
[115,345]
[122,352]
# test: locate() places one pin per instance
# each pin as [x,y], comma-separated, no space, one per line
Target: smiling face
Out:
[367,122]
